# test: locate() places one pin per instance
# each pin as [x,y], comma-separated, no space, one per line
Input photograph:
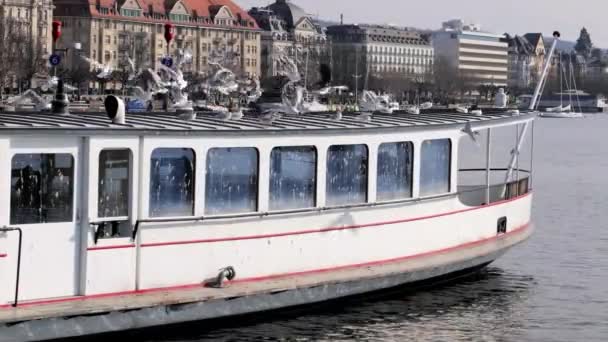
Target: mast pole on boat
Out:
[524,129]
[556,36]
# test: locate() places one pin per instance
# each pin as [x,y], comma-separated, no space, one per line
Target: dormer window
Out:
[130,12]
[179,17]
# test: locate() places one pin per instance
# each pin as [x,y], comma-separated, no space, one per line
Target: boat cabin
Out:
[162,202]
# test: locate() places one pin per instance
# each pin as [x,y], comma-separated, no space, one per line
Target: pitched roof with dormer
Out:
[534,38]
[199,12]
[519,45]
[288,11]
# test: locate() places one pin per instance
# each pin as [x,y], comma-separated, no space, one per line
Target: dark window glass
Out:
[172,182]
[42,188]
[231,181]
[395,167]
[346,179]
[292,177]
[114,175]
[435,165]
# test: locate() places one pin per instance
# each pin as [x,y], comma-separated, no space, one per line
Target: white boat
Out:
[565,111]
[116,222]
[162,220]
[562,115]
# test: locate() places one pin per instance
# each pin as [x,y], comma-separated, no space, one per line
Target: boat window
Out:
[42,188]
[435,165]
[172,182]
[113,193]
[395,167]
[114,174]
[231,180]
[293,177]
[346,180]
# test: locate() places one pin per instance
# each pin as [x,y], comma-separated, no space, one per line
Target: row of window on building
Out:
[175,17]
[400,50]
[149,27]
[42,185]
[402,60]
[251,62]
[404,70]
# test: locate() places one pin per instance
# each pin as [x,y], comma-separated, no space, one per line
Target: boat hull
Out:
[561,115]
[119,313]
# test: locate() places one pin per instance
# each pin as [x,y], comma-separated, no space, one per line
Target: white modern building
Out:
[479,57]
[361,52]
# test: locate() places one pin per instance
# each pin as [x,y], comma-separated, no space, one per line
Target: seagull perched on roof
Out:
[222,79]
[132,69]
[103,71]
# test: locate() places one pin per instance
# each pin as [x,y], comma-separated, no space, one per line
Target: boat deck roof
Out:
[170,123]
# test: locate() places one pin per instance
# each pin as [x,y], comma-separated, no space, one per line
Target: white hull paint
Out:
[266,294]
[314,241]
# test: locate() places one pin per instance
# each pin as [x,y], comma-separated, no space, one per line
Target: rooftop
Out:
[201,12]
[205,124]
[289,11]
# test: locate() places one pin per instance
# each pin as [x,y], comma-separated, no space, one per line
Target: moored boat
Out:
[562,115]
[125,221]
[162,220]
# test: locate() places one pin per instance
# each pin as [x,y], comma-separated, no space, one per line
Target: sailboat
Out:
[565,111]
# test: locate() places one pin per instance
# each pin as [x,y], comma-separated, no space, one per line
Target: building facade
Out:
[38,14]
[538,55]
[480,58]
[288,30]
[526,59]
[108,31]
[32,20]
[362,53]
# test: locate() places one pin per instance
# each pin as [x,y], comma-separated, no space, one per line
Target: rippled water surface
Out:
[554,287]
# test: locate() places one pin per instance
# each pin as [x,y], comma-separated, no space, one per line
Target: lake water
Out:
[554,287]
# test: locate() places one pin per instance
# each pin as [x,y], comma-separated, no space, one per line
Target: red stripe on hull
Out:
[3,255]
[277,276]
[324,230]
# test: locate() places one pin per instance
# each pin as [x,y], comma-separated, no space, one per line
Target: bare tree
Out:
[33,62]
[134,56]
[13,39]
[79,75]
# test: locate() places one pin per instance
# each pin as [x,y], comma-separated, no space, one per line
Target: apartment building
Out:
[479,57]
[361,52]
[289,30]
[108,31]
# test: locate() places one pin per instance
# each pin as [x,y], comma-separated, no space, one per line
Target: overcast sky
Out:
[499,16]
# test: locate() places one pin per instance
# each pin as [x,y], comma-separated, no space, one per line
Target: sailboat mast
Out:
[561,80]
[539,86]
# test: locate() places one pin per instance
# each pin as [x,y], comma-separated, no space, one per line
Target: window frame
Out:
[315,194]
[412,179]
[367,176]
[130,185]
[74,182]
[450,165]
[194,189]
[258,187]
